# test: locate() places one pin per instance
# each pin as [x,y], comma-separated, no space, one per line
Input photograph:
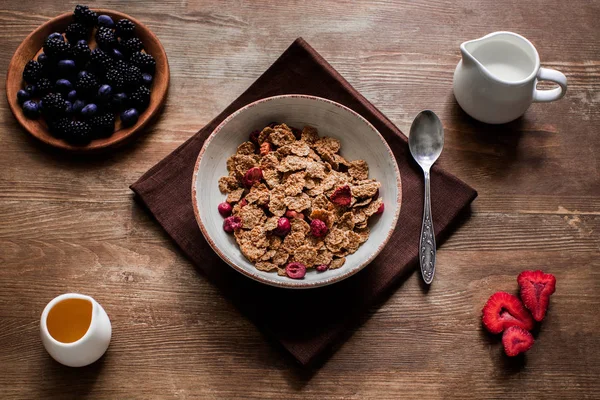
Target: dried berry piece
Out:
[504,310]
[252,176]
[322,268]
[243,203]
[536,288]
[342,196]
[295,270]
[294,214]
[225,209]
[232,224]
[265,148]
[318,228]
[380,209]
[516,341]
[283,227]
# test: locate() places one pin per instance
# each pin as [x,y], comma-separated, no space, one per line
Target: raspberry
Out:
[295,270]
[265,148]
[283,227]
[342,196]
[252,176]
[536,288]
[504,310]
[516,341]
[318,228]
[232,224]
[322,268]
[380,209]
[225,209]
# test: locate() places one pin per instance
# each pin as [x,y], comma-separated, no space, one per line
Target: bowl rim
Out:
[294,284]
[14,73]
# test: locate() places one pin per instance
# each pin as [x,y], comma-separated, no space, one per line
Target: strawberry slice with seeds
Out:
[536,288]
[516,341]
[504,310]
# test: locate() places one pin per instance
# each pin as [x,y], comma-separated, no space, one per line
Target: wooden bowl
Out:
[31,47]
[360,140]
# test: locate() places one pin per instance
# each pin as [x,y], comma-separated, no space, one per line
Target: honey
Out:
[69,320]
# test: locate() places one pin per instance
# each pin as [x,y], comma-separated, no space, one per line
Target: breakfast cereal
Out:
[294,203]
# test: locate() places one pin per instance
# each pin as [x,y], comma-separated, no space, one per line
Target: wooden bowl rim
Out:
[40,132]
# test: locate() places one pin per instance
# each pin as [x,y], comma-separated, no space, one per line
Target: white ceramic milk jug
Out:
[495,82]
[75,329]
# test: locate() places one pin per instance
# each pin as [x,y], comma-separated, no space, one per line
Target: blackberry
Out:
[86,84]
[81,53]
[143,61]
[100,60]
[140,98]
[85,16]
[115,78]
[54,105]
[125,28]
[60,127]
[105,37]
[132,76]
[121,66]
[56,48]
[32,72]
[76,31]
[79,133]
[43,86]
[132,45]
[103,125]
[116,54]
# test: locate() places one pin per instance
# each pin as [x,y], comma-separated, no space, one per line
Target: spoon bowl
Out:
[426,138]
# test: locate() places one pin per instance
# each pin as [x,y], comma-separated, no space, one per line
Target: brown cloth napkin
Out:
[306,322]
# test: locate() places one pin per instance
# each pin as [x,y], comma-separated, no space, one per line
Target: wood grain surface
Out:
[70,224]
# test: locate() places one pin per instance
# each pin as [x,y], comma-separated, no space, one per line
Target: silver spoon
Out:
[426,141]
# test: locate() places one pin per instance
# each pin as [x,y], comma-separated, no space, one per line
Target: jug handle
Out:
[547,74]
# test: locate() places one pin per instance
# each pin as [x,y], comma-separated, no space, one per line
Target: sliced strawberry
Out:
[516,341]
[504,310]
[536,288]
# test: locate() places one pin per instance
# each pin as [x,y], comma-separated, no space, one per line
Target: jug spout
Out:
[467,49]
[467,57]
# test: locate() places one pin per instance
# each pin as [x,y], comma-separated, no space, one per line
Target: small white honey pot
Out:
[495,82]
[75,329]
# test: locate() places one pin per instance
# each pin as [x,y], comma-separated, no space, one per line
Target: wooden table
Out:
[70,224]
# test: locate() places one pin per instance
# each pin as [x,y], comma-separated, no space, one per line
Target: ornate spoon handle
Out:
[427,242]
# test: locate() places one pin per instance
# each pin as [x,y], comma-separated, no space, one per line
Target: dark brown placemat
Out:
[306,322]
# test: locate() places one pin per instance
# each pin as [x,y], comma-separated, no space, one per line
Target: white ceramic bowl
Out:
[359,139]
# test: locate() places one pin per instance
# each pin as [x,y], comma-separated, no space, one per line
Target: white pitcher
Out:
[495,82]
[75,334]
